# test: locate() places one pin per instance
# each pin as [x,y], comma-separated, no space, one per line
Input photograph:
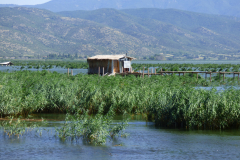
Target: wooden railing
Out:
[142,73]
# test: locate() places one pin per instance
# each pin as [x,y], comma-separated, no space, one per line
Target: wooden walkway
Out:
[143,74]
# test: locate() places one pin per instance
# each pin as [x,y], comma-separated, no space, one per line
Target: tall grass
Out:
[168,100]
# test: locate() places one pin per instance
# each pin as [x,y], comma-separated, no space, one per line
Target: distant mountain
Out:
[26,31]
[220,7]
[139,32]
[170,29]
[8,5]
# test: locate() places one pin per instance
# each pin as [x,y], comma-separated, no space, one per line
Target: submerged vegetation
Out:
[18,127]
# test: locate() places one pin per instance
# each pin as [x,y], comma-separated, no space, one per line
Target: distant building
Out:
[109,64]
[6,64]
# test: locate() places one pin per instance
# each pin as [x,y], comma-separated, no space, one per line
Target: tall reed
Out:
[169,100]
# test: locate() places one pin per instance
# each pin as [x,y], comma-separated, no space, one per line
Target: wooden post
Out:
[161,72]
[152,71]
[103,71]
[99,71]
[72,72]
[122,69]
[143,73]
[197,76]
[148,72]
[68,72]
[210,77]
[183,73]
[131,70]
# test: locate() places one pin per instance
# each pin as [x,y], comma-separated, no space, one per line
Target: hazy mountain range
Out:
[140,32]
[220,7]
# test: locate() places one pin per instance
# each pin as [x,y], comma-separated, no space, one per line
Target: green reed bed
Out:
[167,100]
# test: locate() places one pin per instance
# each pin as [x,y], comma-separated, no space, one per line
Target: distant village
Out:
[156,57]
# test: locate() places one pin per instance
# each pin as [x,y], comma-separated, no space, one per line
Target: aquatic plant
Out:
[18,127]
[92,129]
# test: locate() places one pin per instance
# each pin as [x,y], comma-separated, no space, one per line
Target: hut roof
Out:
[110,57]
[6,63]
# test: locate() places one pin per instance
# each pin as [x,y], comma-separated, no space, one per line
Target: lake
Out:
[56,69]
[84,71]
[145,141]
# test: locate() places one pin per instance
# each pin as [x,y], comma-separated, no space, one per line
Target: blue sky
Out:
[23,2]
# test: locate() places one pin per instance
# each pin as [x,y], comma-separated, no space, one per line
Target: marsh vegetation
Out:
[91,101]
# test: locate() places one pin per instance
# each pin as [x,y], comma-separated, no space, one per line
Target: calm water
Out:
[59,70]
[144,142]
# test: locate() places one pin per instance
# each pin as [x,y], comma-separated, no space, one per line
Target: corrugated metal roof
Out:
[110,57]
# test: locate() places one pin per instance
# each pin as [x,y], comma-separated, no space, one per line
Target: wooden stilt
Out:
[143,73]
[98,71]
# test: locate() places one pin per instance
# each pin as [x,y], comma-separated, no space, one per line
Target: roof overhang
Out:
[109,57]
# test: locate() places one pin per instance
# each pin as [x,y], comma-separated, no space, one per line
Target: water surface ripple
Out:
[144,142]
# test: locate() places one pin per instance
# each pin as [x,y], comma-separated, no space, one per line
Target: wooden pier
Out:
[162,73]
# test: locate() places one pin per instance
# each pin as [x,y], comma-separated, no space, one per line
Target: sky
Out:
[23,2]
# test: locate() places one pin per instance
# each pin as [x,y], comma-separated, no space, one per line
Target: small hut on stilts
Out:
[109,64]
